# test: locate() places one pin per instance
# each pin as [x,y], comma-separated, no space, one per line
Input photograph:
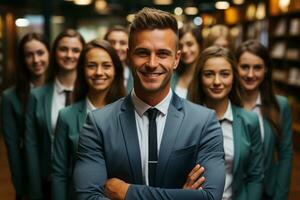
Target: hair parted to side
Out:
[150,19]
[117,89]
[54,67]
[196,93]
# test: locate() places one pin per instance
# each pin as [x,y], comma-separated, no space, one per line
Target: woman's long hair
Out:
[54,67]
[196,93]
[117,89]
[270,107]
[23,74]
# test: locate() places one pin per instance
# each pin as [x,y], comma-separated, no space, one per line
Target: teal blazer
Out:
[174,80]
[38,138]
[248,155]
[278,175]
[13,131]
[69,124]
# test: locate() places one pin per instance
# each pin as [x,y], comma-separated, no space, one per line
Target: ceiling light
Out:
[222,5]
[100,5]
[22,22]
[191,10]
[284,5]
[238,2]
[197,21]
[163,2]
[82,2]
[178,11]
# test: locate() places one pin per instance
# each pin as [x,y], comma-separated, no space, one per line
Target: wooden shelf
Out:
[296,127]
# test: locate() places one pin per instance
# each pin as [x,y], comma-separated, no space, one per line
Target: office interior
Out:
[275,23]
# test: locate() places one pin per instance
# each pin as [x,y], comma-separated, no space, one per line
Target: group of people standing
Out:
[63,140]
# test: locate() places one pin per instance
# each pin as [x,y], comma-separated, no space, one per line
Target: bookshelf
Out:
[284,40]
[278,28]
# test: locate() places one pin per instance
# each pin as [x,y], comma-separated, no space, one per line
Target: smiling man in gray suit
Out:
[144,146]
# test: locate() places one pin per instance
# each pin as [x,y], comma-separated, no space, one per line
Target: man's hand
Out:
[116,189]
[194,179]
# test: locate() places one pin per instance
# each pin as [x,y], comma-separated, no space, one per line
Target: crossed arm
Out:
[91,176]
[116,188]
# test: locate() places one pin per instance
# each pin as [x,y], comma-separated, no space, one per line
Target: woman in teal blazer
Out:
[255,71]
[190,43]
[99,82]
[42,112]
[117,36]
[33,56]
[215,84]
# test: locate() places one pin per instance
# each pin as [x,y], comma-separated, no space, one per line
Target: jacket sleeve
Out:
[210,155]
[90,173]
[60,162]
[32,151]
[12,140]
[254,177]
[285,153]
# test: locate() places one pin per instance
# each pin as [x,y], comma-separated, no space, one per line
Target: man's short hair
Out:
[150,19]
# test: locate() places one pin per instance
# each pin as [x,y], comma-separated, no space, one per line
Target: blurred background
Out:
[275,23]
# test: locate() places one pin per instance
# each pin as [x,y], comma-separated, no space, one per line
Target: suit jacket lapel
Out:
[173,123]
[48,106]
[81,115]
[128,125]
[237,128]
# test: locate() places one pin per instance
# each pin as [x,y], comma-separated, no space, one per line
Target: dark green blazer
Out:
[248,155]
[13,131]
[174,80]
[69,124]
[38,138]
[278,174]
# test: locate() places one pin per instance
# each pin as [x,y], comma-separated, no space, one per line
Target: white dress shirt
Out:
[58,101]
[181,92]
[226,125]
[142,124]
[257,110]
[89,106]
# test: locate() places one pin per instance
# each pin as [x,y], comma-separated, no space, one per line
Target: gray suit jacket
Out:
[109,147]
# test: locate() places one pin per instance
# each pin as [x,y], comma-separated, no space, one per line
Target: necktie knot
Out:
[69,97]
[152,113]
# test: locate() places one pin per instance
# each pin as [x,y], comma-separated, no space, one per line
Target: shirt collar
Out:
[258,100]
[141,107]
[60,88]
[228,116]
[90,107]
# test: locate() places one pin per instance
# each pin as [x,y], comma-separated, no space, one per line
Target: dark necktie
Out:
[68,94]
[152,153]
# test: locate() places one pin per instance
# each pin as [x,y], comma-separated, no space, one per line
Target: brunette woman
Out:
[33,57]
[43,108]
[117,36]
[99,82]
[216,85]
[190,44]
[255,71]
